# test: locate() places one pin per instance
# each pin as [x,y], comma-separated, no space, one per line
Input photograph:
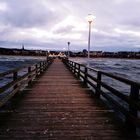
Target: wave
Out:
[14,62]
[126,68]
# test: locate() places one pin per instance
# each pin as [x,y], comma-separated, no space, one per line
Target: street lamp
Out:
[68,49]
[89,18]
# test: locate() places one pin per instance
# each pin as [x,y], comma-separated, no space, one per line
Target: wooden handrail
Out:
[15,70]
[132,100]
[8,90]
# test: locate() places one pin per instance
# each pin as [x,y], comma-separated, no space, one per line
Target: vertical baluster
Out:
[85,75]
[40,68]
[29,70]
[75,68]
[36,67]
[98,84]
[47,63]
[134,96]
[78,70]
[71,66]
[15,76]
[43,66]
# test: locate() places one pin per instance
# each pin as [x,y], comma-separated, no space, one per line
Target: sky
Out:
[50,24]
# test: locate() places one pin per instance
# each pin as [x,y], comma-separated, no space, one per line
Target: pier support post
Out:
[70,64]
[78,71]
[36,67]
[85,79]
[98,84]
[29,70]
[75,68]
[43,66]
[15,76]
[40,68]
[134,96]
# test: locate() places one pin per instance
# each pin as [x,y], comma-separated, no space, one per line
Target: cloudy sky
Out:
[50,24]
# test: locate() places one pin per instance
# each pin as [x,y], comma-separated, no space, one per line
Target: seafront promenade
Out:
[58,106]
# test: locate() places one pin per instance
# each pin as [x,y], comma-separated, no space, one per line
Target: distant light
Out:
[90,18]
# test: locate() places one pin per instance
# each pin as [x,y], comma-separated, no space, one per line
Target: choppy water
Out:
[13,62]
[127,68]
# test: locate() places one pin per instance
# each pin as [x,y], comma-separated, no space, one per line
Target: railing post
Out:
[36,70]
[134,96]
[75,68]
[85,75]
[29,70]
[15,76]
[71,66]
[67,63]
[78,70]
[97,93]
[46,64]
[43,66]
[40,68]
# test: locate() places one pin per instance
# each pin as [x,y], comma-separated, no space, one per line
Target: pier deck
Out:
[59,107]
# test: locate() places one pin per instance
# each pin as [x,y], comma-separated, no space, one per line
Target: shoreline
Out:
[106,58]
[24,56]
[39,56]
[45,57]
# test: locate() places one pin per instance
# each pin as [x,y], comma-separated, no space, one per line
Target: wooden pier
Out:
[58,106]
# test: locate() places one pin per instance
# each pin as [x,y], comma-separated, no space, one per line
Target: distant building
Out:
[23,51]
[95,53]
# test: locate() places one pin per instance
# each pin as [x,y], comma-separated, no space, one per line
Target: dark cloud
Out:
[25,13]
[43,15]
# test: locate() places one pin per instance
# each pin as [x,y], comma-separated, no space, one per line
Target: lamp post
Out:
[89,18]
[68,49]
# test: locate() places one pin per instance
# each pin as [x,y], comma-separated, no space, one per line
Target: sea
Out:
[14,62]
[126,68]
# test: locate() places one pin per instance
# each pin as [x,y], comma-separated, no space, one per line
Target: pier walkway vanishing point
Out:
[57,106]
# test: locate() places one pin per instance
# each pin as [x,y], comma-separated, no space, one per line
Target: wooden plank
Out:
[58,106]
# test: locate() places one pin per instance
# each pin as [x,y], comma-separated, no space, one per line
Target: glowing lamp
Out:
[90,18]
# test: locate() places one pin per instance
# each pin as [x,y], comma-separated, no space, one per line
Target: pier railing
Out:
[19,78]
[126,102]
